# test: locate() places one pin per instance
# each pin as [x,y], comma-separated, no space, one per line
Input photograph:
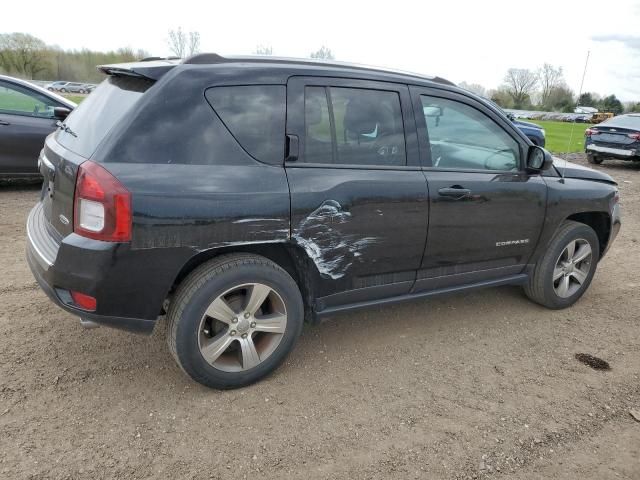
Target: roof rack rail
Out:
[214,58]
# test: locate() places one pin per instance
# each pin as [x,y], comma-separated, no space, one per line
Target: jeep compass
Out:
[241,196]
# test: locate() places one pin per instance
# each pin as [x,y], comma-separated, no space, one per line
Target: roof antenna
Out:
[584,73]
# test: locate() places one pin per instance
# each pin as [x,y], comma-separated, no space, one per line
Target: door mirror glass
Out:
[61,112]
[539,158]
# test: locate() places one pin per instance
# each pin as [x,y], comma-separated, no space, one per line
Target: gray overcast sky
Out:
[475,41]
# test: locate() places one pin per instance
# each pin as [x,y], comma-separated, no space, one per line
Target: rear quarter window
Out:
[255,116]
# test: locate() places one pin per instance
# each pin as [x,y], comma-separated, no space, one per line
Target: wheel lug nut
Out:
[244,335]
[253,324]
[247,315]
[232,333]
[234,320]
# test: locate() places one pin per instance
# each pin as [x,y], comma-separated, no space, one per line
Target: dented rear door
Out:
[359,202]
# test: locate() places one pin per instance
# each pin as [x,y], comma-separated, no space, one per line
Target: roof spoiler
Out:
[152,69]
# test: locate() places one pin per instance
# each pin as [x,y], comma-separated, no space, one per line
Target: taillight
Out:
[635,136]
[102,206]
[590,131]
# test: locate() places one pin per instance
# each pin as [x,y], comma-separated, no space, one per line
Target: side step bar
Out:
[518,279]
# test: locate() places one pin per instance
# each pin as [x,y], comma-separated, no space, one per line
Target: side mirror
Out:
[539,159]
[61,112]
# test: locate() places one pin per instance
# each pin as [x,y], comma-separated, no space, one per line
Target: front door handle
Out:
[456,191]
[4,122]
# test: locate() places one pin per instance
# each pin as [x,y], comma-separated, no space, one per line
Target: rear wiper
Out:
[65,128]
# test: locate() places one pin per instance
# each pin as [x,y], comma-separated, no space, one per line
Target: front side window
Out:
[255,116]
[353,126]
[462,137]
[21,101]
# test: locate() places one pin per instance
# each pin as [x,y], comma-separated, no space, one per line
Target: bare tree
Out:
[183,44]
[520,83]
[263,50]
[474,87]
[323,54]
[550,78]
[23,54]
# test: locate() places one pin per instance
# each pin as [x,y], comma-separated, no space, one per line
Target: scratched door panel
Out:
[356,223]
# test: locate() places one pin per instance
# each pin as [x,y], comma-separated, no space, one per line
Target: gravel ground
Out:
[474,386]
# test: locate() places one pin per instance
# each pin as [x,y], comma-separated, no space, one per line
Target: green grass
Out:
[559,135]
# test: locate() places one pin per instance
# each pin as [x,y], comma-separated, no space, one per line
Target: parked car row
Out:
[70,87]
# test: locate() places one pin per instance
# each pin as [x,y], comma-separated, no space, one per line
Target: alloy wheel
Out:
[242,327]
[572,268]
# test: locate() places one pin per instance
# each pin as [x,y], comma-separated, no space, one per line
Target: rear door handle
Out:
[4,122]
[456,191]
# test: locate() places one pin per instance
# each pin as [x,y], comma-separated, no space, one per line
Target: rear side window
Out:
[255,116]
[353,126]
[90,122]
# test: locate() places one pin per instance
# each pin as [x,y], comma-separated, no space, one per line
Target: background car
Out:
[55,86]
[27,115]
[617,137]
[88,87]
[534,132]
[74,87]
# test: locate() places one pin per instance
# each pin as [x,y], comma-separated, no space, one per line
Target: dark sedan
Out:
[27,115]
[617,137]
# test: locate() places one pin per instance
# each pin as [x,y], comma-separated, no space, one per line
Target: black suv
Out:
[240,196]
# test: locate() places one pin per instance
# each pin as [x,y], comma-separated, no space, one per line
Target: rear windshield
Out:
[90,122]
[624,121]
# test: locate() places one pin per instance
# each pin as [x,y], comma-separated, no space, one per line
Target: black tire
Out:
[207,283]
[63,90]
[540,287]
[50,89]
[594,159]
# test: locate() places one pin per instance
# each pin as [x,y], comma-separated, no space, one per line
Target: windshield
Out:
[90,122]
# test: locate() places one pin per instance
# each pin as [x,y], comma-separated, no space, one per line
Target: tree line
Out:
[26,56]
[545,89]
[23,55]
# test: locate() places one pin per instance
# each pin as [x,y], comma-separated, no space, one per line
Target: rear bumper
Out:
[130,286]
[611,152]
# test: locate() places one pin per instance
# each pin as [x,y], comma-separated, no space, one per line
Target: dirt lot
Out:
[473,386]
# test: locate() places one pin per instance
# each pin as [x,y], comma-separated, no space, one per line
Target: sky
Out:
[472,41]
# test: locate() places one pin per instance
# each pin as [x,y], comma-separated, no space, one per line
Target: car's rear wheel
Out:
[594,159]
[234,320]
[565,271]
[63,90]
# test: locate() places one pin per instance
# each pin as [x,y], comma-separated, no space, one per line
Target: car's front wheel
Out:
[234,320]
[565,271]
